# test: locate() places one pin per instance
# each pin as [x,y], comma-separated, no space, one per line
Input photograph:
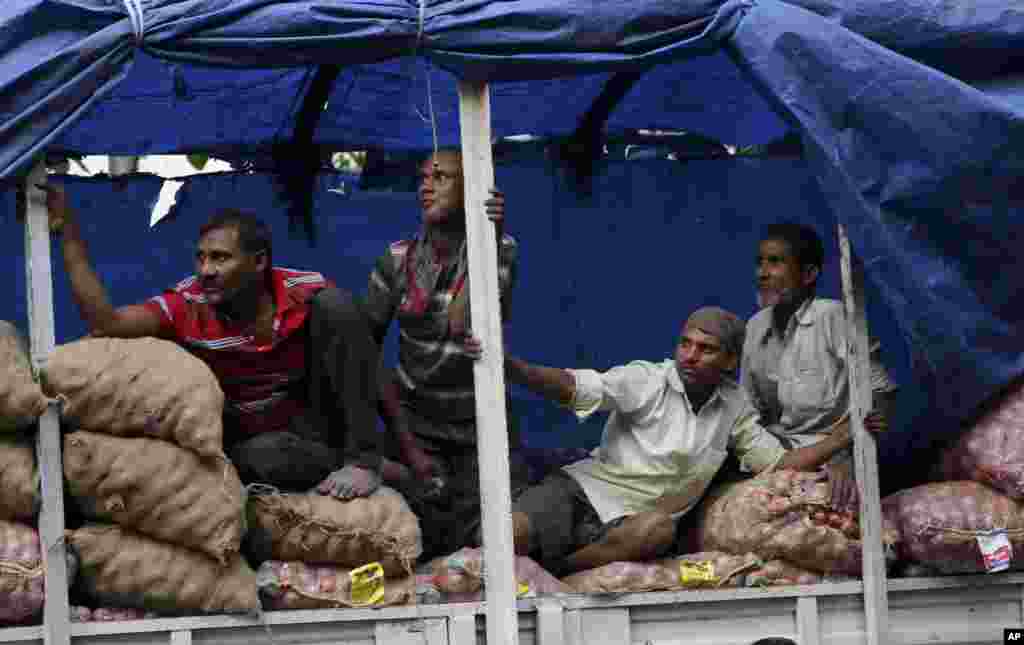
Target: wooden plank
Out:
[550,623]
[462,629]
[39,275]
[492,435]
[181,637]
[865,449]
[808,628]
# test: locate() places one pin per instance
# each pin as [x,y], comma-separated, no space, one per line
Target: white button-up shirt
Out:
[655,444]
[798,381]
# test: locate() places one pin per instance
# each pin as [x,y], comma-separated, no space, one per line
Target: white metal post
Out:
[865,450]
[492,437]
[39,276]
[808,626]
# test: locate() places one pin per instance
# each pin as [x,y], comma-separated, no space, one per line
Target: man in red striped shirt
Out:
[294,355]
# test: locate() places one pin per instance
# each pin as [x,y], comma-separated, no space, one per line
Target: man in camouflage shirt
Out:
[429,403]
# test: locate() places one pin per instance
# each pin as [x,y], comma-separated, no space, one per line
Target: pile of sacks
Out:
[786,515]
[146,465]
[167,512]
[21,403]
[778,528]
[969,520]
[319,552]
[702,570]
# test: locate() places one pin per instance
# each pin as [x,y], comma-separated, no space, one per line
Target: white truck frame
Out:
[954,610]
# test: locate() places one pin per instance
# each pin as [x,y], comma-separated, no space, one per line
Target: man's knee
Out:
[282,459]
[521,532]
[255,455]
[334,306]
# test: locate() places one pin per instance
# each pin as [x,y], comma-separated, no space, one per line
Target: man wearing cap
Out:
[669,431]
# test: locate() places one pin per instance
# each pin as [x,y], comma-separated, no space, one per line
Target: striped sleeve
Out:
[168,306]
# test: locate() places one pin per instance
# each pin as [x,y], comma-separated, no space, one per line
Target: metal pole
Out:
[39,274]
[865,449]
[492,436]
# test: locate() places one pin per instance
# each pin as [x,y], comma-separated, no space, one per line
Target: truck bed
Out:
[950,610]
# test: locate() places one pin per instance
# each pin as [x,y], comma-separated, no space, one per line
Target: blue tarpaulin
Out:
[910,114]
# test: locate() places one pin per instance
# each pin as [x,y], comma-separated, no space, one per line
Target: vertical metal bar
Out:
[462,629]
[39,275]
[574,627]
[435,631]
[492,436]
[865,451]
[808,629]
[1021,591]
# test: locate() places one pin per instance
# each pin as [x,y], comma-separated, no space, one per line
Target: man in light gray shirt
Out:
[796,349]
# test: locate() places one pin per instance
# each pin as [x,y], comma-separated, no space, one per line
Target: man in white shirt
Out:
[670,428]
[794,357]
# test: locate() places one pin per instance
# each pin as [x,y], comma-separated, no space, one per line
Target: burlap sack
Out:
[158,489]
[459,577]
[706,570]
[320,529]
[19,543]
[940,524]
[138,387]
[22,589]
[21,400]
[785,515]
[19,478]
[780,572]
[992,450]
[119,568]
[297,585]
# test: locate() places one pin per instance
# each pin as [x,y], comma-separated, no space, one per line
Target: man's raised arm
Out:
[550,382]
[91,297]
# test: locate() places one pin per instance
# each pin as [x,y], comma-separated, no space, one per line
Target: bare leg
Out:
[641,537]
[521,533]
